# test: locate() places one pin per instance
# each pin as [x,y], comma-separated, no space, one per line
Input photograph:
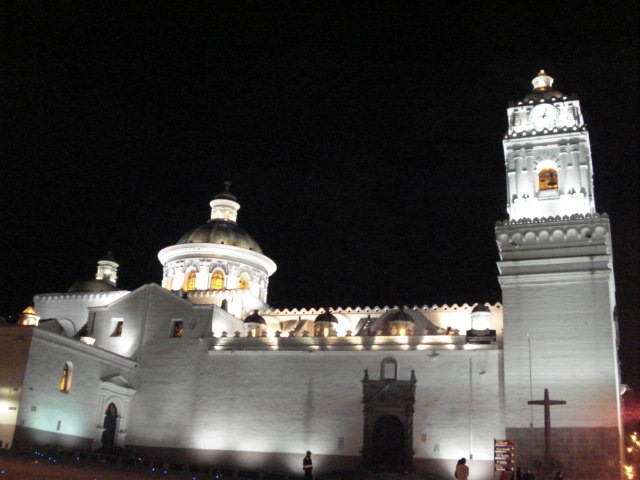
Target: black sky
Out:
[364,142]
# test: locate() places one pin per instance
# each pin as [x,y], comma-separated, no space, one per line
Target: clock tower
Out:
[547,155]
[556,275]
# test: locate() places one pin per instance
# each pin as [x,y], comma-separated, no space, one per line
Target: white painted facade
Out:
[191,381]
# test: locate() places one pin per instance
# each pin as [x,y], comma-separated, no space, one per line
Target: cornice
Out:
[377,310]
[424,343]
[217,251]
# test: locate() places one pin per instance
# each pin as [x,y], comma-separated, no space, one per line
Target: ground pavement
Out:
[37,465]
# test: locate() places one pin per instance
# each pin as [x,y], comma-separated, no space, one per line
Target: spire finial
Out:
[227,186]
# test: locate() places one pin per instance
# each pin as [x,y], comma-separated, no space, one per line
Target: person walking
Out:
[462,471]
[307,466]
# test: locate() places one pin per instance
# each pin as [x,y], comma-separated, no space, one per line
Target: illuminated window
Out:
[118,330]
[67,378]
[169,284]
[177,328]
[548,179]
[217,280]
[243,284]
[190,281]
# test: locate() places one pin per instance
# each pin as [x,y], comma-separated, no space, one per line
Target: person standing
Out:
[307,466]
[462,471]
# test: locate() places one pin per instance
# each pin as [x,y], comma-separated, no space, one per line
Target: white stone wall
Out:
[145,313]
[73,306]
[78,412]
[289,402]
[559,331]
[15,342]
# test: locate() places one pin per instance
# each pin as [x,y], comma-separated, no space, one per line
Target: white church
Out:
[200,369]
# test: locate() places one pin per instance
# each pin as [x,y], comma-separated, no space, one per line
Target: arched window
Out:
[389,369]
[548,179]
[243,283]
[190,281]
[67,378]
[217,280]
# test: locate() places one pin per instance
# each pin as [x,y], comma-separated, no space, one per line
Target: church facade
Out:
[200,369]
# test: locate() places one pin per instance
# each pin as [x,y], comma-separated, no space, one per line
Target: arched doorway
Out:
[109,425]
[388,443]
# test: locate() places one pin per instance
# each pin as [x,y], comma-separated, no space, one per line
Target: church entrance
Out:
[388,419]
[388,443]
[109,425]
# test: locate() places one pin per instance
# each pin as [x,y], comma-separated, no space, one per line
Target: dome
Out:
[92,286]
[400,316]
[326,317]
[221,232]
[255,318]
[480,307]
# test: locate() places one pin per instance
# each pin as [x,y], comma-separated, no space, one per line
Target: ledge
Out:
[359,343]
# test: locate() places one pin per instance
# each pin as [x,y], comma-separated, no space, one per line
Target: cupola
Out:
[481,318]
[29,318]
[325,325]
[543,88]
[105,278]
[401,324]
[255,325]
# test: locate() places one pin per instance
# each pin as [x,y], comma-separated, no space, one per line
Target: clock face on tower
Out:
[544,116]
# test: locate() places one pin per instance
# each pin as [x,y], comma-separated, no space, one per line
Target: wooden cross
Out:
[547,420]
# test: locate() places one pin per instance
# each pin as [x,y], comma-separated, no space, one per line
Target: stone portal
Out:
[388,420]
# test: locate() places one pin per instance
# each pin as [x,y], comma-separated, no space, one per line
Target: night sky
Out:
[364,143]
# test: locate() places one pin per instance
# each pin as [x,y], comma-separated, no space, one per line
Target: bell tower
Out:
[547,155]
[556,275]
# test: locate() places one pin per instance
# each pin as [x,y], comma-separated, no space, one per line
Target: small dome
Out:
[326,317]
[542,88]
[30,311]
[221,232]
[400,316]
[481,307]
[92,286]
[255,318]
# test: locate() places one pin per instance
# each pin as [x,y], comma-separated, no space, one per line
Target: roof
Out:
[222,232]
[326,317]
[400,316]
[255,318]
[481,307]
[92,286]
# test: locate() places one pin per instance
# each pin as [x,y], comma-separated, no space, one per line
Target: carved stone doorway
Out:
[109,425]
[388,443]
[388,420]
